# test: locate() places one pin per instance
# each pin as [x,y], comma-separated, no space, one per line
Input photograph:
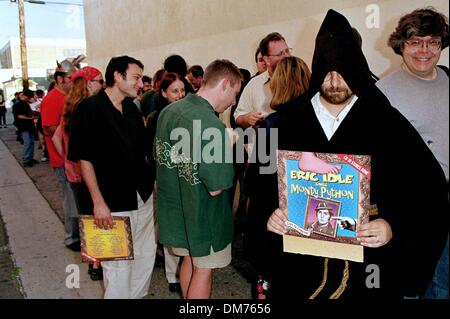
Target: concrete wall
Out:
[203,30]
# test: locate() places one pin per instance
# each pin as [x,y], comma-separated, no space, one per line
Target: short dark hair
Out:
[421,23]
[58,73]
[146,78]
[119,64]
[40,92]
[271,37]
[258,51]
[175,63]
[245,75]
[196,71]
[28,93]
[220,69]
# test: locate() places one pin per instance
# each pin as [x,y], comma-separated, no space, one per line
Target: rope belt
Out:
[340,290]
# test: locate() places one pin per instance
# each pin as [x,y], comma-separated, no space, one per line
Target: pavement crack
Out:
[13,185]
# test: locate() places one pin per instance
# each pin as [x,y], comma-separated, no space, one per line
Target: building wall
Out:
[6,57]
[203,30]
[42,53]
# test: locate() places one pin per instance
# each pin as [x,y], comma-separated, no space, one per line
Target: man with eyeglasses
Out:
[254,103]
[419,90]
[254,106]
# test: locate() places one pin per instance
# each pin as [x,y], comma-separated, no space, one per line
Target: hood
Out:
[337,49]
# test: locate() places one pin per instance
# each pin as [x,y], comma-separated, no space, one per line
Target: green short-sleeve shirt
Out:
[195,161]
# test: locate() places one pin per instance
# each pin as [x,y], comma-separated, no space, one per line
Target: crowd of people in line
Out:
[110,140]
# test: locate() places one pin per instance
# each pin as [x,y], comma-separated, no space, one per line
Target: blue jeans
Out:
[28,146]
[438,287]
[71,216]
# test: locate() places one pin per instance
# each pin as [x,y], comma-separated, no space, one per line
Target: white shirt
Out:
[330,123]
[256,96]
[35,105]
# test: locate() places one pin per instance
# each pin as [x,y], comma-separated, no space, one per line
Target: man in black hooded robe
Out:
[407,183]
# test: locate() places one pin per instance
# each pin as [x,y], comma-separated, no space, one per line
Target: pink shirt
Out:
[72,169]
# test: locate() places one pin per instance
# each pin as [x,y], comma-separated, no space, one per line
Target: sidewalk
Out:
[35,237]
[9,286]
[30,206]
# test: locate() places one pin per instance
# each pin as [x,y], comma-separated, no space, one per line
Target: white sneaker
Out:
[44,159]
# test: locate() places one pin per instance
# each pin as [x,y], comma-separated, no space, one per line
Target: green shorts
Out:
[219,259]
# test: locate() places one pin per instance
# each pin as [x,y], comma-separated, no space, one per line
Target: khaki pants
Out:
[219,259]
[130,279]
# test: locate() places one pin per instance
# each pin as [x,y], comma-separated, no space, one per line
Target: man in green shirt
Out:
[193,176]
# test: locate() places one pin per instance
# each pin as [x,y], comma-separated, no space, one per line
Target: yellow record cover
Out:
[101,244]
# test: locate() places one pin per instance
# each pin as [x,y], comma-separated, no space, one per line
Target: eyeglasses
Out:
[99,81]
[286,52]
[432,44]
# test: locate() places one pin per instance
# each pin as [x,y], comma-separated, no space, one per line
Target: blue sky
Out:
[63,19]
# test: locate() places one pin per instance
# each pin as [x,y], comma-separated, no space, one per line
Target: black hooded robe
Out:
[407,184]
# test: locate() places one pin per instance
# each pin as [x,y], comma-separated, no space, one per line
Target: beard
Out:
[336,95]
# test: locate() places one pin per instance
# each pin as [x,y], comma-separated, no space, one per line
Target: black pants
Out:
[2,119]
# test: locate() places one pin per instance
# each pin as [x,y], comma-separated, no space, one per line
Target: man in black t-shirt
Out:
[108,139]
[24,121]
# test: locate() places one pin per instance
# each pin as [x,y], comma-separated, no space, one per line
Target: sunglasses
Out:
[99,81]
